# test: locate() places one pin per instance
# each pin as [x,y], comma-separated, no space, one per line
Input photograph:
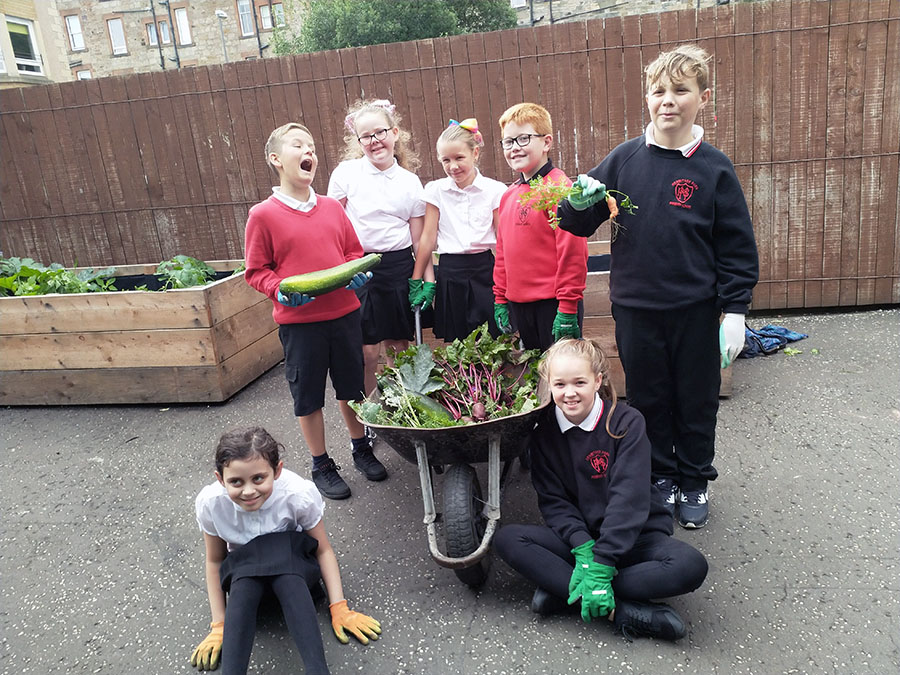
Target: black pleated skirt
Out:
[272,555]
[384,300]
[465,295]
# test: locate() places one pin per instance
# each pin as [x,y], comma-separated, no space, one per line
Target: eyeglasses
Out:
[377,135]
[521,140]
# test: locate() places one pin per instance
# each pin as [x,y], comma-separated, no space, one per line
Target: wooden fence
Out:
[806,102]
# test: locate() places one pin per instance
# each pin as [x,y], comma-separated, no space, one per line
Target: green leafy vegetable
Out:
[182,271]
[24,276]
[470,380]
[545,194]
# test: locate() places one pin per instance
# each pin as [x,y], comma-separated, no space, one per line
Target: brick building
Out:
[80,39]
[541,12]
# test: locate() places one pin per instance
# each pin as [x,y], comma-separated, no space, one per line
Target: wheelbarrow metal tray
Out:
[463,444]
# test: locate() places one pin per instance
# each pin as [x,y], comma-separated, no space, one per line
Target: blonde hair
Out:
[404,154]
[276,138]
[457,132]
[590,351]
[678,65]
[528,113]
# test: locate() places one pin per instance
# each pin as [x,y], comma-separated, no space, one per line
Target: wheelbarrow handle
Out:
[418,314]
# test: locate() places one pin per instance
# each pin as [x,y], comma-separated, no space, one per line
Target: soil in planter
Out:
[130,282]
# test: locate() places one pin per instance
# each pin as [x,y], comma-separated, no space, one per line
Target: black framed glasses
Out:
[377,135]
[521,140]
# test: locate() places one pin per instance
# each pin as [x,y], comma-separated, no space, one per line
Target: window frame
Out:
[265,17]
[109,33]
[152,39]
[37,62]
[90,75]
[248,14]
[71,35]
[178,28]
[167,39]
[278,18]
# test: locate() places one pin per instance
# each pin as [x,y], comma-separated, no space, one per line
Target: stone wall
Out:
[541,12]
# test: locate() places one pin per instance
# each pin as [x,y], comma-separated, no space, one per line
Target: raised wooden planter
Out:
[190,345]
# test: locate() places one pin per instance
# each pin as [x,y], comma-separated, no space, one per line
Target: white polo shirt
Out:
[466,221]
[295,504]
[379,203]
[589,423]
[687,149]
[296,204]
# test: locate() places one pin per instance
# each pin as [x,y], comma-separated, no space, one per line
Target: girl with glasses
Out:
[383,199]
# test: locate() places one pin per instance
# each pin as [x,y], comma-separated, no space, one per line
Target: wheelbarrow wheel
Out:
[464,522]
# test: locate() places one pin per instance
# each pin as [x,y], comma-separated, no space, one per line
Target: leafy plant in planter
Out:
[182,271]
[24,276]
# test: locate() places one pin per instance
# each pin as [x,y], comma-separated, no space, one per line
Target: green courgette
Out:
[327,280]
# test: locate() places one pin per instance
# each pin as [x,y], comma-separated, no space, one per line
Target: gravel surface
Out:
[101,562]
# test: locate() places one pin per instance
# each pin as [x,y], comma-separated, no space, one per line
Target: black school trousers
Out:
[672,374]
[658,566]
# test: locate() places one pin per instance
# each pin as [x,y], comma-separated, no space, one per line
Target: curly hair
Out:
[404,154]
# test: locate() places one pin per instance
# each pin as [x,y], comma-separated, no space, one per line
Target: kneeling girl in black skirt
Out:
[263,530]
[606,546]
[461,221]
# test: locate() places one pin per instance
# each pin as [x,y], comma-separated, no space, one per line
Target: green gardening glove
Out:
[584,556]
[565,325]
[426,295]
[586,192]
[501,316]
[415,290]
[206,655]
[597,597]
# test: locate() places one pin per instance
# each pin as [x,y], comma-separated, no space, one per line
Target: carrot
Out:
[613,206]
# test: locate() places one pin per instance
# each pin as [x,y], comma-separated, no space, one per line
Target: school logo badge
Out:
[599,461]
[684,190]
[522,215]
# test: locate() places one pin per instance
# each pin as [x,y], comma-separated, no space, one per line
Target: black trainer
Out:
[693,508]
[329,481]
[669,492]
[545,603]
[648,619]
[366,461]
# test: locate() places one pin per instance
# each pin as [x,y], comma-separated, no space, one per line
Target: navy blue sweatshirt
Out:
[592,486]
[690,240]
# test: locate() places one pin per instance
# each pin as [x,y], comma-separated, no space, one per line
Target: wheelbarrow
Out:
[469,522]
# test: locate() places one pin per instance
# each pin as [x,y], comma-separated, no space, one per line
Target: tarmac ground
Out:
[101,560]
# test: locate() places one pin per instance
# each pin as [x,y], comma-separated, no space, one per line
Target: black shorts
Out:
[313,350]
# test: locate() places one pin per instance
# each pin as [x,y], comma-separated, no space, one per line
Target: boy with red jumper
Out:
[296,231]
[540,272]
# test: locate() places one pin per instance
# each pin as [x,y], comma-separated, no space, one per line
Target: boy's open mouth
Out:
[306,165]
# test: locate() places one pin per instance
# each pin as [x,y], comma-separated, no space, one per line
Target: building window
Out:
[83,74]
[278,12]
[21,34]
[245,13]
[183,26]
[164,35]
[73,27]
[516,4]
[265,17]
[117,36]
[152,38]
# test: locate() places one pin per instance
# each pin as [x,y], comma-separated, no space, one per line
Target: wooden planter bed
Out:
[190,345]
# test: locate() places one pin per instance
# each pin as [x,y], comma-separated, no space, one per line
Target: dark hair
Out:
[247,443]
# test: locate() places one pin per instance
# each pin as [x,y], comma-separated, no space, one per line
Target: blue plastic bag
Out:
[767,340]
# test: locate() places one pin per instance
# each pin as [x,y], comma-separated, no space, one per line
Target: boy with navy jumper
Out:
[539,273]
[685,256]
[296,231]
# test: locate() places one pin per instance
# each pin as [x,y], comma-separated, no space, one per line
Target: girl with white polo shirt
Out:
[383,199]
[461,220]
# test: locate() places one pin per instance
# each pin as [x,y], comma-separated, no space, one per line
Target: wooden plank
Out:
[631,89]
[556,95]
[512,83]
[887,266]
[528,61]
[481,89]
[349,69]
[416,122]
[242,329]
[367,81]
[706,34]
[491,160]
[462,79]
[615,106]
[308,114]
[199,384]
[596,295]
[242,368]
[787,204]
[599,95]
[763,202]
[431,106]
[107,349]
[723,103]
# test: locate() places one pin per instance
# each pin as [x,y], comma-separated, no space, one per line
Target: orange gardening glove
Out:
[358,624]
[206,655]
